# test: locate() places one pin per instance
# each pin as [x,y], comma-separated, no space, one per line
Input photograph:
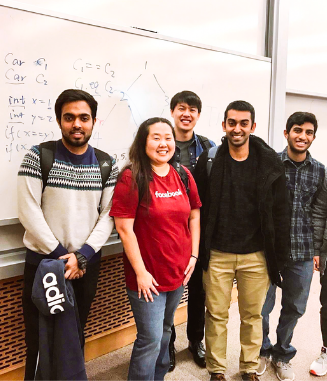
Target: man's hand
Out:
[79,274]
[71,268]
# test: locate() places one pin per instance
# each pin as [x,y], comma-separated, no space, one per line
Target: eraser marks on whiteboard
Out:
[145,30]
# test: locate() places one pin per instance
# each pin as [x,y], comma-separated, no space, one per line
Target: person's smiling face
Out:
[76,125]
[185,116]
[300,138]
[238,127]
[160,143]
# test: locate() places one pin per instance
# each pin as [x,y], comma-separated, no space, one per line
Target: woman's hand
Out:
[189,270]
[145,284]
[194,224]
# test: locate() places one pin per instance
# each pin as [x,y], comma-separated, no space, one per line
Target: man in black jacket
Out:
[244,235]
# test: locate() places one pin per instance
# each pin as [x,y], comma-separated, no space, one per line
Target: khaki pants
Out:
[250,271]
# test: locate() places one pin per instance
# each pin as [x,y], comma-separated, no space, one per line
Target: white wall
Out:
[307,66]
[307,46]
[234,24]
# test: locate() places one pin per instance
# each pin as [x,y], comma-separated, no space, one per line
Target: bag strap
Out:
[206,145]
[47,155]
[105,162]
[211,155]
[182,174]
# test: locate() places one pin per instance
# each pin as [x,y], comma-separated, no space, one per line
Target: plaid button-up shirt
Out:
[303,182]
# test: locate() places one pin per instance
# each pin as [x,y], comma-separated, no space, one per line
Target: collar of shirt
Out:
[284,157]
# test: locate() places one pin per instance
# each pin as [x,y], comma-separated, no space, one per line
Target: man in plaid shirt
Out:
[304,176]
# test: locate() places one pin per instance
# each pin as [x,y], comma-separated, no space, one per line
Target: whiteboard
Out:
[132,76]
[307,47]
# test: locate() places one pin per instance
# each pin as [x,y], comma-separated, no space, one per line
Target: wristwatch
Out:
[81,260]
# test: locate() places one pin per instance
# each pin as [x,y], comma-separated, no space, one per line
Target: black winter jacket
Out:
[273,203]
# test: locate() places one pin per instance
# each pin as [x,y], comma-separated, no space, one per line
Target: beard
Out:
[297,150]
[76,142]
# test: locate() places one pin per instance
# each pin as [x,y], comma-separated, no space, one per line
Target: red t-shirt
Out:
[161,229]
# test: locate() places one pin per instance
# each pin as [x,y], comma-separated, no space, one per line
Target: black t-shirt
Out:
[238,227]
[297,163]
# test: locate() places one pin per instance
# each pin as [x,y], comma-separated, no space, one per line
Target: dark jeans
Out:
[84,289]
[297,276]
[323,310]
[150,356]
[195,308]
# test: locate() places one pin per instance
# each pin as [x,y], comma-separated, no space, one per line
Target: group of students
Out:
[263,222]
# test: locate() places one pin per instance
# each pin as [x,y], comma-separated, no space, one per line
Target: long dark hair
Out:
[139,161]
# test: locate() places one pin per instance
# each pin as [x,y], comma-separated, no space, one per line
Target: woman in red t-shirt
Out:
[159,225]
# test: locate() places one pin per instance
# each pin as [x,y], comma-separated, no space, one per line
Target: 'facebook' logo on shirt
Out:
[168,194]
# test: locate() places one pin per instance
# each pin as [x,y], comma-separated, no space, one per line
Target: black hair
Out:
[300,118]
[240,106]
[187,97]
[139,161]
[74,95]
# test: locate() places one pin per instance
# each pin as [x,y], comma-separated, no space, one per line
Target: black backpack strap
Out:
[182,174]
[206,145]
[211,155]
[105,163]
[47,155]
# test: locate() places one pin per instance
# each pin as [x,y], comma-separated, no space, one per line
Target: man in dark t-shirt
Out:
[185,108]
[244,235]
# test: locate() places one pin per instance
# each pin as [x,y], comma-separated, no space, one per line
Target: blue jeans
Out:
[297,276]
[150,356]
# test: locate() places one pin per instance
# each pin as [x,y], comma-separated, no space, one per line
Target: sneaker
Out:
[250,377]
[319,366]
[284,371]
[263,362]
[217,377]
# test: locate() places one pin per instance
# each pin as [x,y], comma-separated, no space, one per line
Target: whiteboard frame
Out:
[9,221]
[306,94]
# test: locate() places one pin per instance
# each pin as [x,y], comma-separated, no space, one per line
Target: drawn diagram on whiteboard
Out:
[143,98]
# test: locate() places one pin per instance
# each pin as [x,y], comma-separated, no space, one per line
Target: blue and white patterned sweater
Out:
[65,218]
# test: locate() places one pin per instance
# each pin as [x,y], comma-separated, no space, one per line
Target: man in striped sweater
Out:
[66,216]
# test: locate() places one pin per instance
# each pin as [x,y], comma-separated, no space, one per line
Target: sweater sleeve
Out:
[103,228]
[319,216]
[281,217]
[29,207]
